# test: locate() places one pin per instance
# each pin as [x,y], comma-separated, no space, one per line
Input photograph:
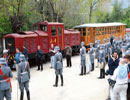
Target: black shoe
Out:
[81,74]
[55,85]
[21,96]
[61,84]
[108,99]
[38,69]
[103,77]
[84,73]
[99,77]
[28,95]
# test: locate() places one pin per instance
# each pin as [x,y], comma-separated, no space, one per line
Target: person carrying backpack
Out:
[23,77]
[121,77]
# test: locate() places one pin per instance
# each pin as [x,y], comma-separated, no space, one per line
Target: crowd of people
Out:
[114,52]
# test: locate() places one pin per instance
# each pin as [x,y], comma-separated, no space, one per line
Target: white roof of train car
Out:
[99,25]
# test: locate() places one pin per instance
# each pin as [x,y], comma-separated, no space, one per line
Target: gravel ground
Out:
[75,87]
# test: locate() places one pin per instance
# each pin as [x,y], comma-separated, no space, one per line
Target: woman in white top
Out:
[121,78]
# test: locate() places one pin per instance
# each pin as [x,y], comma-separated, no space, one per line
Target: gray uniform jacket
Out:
[4,85]
[91,54]
[21,67]
[106,50]
[83,56]
[58,63]
[102,56]
[97,51]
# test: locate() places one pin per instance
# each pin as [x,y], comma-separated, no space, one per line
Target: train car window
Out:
[43,28]
[53,31]
[102,32]
[88,32]
[84,33]
[59,30]
[94,29]
[97,31]
[102,29]
[84,29]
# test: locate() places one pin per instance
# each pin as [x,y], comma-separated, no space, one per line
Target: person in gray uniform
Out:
[102,62]
[23,77]
[5,82]
[124,40]
[97,53]
[91,54]
[83,59]
[58,65]
[124,51]
[109,48]
[96,47]
[106,50]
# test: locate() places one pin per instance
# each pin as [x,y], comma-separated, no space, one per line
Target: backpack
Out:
[122,72]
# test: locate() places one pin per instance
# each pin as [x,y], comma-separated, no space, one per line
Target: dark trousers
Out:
[40,66]
[83,70]
[128,92]
[68,60]
[102,73]
[22,95]
[106,58]
[56,81]
[92,67]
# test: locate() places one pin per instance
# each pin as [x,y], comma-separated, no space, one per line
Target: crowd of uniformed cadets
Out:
[99,55]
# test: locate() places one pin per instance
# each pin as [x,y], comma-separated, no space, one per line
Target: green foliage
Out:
[69,12]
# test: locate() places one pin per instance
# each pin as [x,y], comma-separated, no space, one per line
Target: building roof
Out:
[99,25]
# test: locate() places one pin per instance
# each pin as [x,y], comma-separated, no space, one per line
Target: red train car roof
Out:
[51,23]
[27,34]
[71,31]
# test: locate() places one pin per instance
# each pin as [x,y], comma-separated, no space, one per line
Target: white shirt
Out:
[118,80]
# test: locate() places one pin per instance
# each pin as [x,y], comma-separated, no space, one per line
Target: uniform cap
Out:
[101,46]
[104,40]
[108,39]
[22,57]
[57,48]
[2,61]
[99,41]
[124,47]
[82,43]
[91,44]
[5,51]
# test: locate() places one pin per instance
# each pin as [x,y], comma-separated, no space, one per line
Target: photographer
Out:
[112,64]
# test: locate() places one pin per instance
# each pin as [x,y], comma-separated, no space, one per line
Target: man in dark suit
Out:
[39,58]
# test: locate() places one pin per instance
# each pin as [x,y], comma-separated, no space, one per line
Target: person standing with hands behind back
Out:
[23,77]
[83,59]
[58,65]
[68,56]
[39,58]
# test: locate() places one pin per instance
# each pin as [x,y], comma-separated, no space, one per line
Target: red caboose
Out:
[47,33]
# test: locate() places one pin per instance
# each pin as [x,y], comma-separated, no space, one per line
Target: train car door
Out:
[53,36]
[60,36]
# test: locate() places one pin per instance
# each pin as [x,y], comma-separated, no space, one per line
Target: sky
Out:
[125,3]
